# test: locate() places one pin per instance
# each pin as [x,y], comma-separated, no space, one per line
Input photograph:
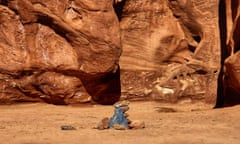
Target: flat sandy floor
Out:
[165,124]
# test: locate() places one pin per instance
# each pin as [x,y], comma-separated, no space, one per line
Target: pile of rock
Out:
[120,120]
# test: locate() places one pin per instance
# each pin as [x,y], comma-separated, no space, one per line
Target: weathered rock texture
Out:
[60,52]
[231,76]
[171,50]
[67,51]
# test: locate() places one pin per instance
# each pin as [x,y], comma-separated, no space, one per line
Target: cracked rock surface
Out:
[60,52]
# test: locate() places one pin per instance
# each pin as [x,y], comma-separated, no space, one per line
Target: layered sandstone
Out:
[60,52]
[68,51]
[171,50]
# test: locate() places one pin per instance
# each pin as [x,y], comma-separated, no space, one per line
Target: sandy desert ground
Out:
[165,124]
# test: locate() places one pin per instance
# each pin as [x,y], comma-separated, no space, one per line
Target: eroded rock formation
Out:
[231,77]
[171,50]
[60,52]
[67,51]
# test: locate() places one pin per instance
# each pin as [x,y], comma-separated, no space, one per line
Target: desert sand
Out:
[39,123]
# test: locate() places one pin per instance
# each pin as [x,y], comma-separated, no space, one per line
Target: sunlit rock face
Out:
[68,51]
[59,52]
[171,50]
[231,76]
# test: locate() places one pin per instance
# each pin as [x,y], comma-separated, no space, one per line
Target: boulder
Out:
[103,124]
[137,124]
[232,79]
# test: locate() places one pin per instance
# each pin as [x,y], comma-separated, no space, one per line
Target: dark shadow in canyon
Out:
[118,7]
[224,53]
[104,88]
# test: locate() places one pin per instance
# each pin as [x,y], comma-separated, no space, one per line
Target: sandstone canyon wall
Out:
[59,52]
[231,71]
[171,50]
[68,51]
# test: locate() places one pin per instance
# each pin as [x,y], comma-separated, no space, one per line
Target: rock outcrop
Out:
[66,52]
[59,52]
[231,77]
[171,50]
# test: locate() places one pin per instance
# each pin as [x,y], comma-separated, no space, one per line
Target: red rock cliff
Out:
[231,76]
[68,51]
[171,50]
[59,52]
